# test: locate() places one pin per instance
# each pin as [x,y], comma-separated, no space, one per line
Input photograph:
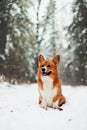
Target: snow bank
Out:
[19,109]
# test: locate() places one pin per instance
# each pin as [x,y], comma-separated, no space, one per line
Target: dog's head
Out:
[48,67]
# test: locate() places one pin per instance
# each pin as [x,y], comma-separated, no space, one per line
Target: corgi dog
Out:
[49,84]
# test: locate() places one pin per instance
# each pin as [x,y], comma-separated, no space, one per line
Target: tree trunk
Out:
[3,33]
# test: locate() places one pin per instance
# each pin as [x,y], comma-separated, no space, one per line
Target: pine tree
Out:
[18,43]
[5,6]
[53,28]
[78,37]
[45,32]
[49,31]
[17,40]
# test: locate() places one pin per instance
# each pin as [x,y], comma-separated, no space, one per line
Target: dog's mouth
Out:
[46,73]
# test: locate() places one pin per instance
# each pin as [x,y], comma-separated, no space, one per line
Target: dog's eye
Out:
[48,66]
[42,65]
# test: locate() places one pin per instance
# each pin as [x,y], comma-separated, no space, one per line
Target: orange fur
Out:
[44,80]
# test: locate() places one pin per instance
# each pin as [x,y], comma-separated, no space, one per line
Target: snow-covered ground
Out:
[19,109]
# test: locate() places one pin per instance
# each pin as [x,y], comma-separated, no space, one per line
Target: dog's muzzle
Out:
[45,73]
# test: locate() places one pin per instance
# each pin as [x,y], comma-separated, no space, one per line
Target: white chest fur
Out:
[48,91]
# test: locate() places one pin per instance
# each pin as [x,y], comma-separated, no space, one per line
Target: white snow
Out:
[19,109]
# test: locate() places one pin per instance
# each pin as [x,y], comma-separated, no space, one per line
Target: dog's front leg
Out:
[44,104]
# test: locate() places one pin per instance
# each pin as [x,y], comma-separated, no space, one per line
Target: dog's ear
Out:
[56,59]
[41,58]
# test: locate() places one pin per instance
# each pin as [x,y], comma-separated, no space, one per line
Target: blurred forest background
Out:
[31,27]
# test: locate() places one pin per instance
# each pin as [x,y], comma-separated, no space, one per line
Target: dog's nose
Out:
[43,69]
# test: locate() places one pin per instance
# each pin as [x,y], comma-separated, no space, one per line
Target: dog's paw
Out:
[55,106]
[44,107]
[59,108]
[44,104]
